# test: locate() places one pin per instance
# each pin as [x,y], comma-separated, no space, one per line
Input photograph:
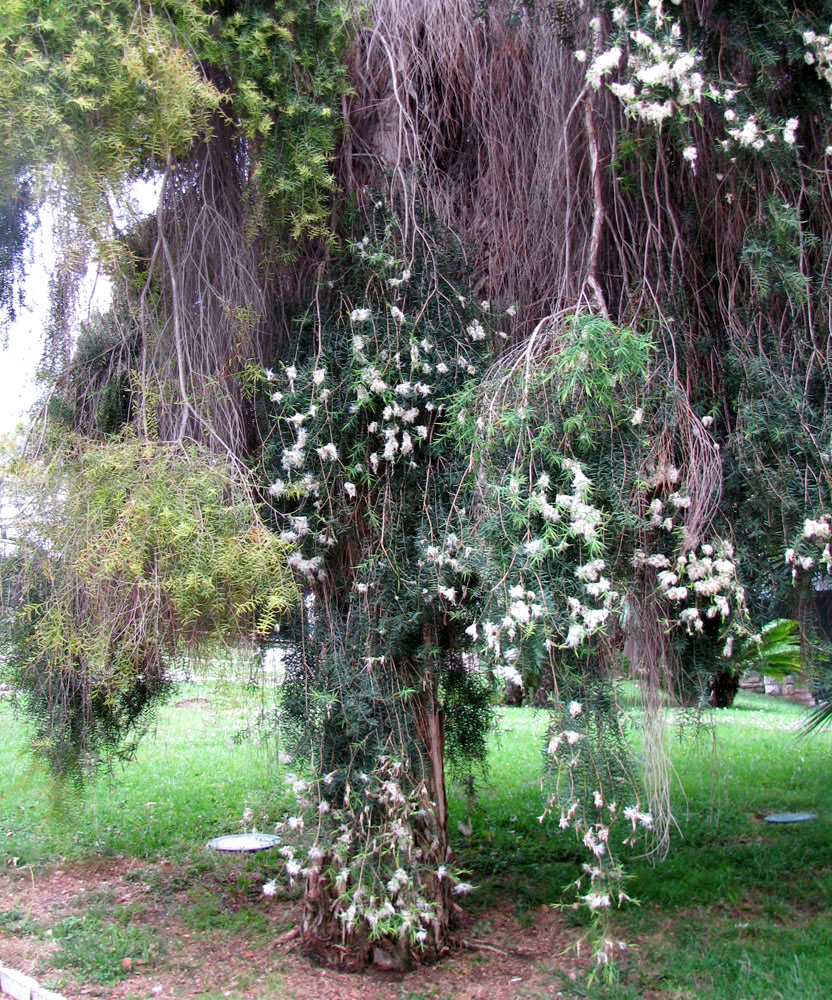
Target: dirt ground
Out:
[498,955]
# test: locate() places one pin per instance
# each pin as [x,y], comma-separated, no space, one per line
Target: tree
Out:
[644,193]
[378,693]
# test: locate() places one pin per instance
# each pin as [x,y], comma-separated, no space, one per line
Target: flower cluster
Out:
[813,549]
[819,53]
[390,396]
[592,814]
[529,616]
[662,78]
[699,585]
[377,882]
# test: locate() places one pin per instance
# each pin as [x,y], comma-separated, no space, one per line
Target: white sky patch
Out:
[22,353]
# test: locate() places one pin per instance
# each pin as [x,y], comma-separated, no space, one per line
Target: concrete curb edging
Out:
[20,987]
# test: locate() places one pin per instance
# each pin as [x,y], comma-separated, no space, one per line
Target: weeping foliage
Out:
[706,225]
[232,115]
[128,559]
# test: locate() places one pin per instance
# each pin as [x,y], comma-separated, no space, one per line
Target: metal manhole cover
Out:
[790,817]
[244,842]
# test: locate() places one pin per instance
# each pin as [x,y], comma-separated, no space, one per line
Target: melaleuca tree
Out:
[684,196]
[686,190]
[378,692]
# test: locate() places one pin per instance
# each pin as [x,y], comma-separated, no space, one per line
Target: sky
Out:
[20,358]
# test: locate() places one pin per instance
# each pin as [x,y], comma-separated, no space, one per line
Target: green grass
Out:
[193,781]
[105,943]
[738,910]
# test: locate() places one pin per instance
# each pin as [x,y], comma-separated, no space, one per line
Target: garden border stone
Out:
[22,987]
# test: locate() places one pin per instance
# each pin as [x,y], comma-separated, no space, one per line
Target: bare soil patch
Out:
[241,956]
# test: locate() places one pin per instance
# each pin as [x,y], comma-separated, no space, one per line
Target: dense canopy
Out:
[506,328]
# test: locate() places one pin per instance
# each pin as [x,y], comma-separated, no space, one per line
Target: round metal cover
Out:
[791,817]
[244,842]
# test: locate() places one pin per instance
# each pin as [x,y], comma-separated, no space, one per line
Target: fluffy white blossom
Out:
[602,65]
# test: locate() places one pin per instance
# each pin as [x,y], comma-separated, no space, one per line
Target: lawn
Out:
[112,889]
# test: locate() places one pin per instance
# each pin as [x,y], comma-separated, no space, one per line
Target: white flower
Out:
[462,888]
[291,373]
[790,131]
[575,708]
[359,315]
[520,612]
[327,452]
[475,331]
[575,636]
[397,314]
[619,15]
[597,900]
[448,593]
[602,65]
[623,91]
[690,153]
[318,376]
[580,55]
[349,489]
[816,529]
[707,421]
[270,888]
[637,417]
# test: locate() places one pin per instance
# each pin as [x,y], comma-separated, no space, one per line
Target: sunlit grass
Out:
[739,909]
[191,780]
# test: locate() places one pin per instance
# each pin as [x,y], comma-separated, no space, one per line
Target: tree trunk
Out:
[723,686]
[421,848]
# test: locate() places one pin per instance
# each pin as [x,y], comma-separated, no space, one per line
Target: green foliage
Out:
[287,62]
[774,652]
[131,555]
[364,467]
[364,464]
[99,91]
